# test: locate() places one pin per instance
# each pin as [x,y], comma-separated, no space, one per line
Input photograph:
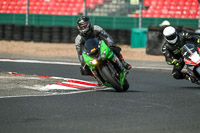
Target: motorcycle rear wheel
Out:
[112,79]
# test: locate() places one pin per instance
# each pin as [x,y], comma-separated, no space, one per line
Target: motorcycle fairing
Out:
[88,59]
[122,75]
[195,57]
[105,50]
[189,62]
[191,54]
[105,53]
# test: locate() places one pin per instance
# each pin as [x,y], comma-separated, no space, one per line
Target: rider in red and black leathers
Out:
[172,50]
[87,31]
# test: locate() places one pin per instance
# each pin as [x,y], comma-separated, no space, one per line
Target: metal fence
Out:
[114,22]
[115,14]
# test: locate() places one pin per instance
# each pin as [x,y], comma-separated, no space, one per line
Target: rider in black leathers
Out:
[172,50]
[87,31]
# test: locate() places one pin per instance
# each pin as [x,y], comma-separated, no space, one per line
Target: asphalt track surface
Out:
[155,103]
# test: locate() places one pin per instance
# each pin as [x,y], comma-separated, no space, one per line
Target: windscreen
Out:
[91,47]
[188,49]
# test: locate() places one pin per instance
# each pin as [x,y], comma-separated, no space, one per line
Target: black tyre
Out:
[2,31]
[56,34]
[28,33]
[37,33]
[46,34]
[9,32]
[126,85]
[111,79]
[18,32]
[66,35]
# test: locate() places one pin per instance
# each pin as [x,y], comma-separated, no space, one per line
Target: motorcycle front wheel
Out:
[112,79]
[126,85]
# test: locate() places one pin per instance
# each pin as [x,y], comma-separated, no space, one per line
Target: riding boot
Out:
[126,65]
[190,78]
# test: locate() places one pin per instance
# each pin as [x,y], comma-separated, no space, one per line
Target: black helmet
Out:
[83,24]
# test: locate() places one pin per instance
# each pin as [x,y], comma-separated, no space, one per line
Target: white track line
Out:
[57,87]
[37,61]
[5,77]
[76,64]
[155,68]
[54,94]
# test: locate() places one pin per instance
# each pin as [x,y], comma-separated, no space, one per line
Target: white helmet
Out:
[197,31]
[170,34]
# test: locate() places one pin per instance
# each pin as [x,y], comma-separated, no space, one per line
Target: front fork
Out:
[116,60]
[94,72]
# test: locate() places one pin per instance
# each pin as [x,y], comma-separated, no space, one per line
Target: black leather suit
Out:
[173,52]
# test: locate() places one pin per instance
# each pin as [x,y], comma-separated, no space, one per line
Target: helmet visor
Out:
[171,37]
[83,26]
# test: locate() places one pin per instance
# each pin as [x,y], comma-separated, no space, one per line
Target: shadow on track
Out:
[192,88]
[120,92]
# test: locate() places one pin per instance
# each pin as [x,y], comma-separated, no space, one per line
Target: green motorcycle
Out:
[105,65]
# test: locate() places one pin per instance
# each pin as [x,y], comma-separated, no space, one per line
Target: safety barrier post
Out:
[27,12]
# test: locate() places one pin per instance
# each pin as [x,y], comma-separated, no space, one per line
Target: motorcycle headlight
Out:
[93,62]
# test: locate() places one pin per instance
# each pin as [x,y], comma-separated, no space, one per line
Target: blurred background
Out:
[138,23]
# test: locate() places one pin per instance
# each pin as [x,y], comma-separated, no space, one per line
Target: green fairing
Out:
[107,84]
[104,47]
[122,76]
[87,58]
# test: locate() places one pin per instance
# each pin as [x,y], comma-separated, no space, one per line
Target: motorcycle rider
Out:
[172,50]
[87,31]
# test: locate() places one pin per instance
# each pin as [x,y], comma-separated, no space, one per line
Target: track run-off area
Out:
[52,96]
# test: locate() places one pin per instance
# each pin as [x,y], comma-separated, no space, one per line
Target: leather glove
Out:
[198,40]
[176,61]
